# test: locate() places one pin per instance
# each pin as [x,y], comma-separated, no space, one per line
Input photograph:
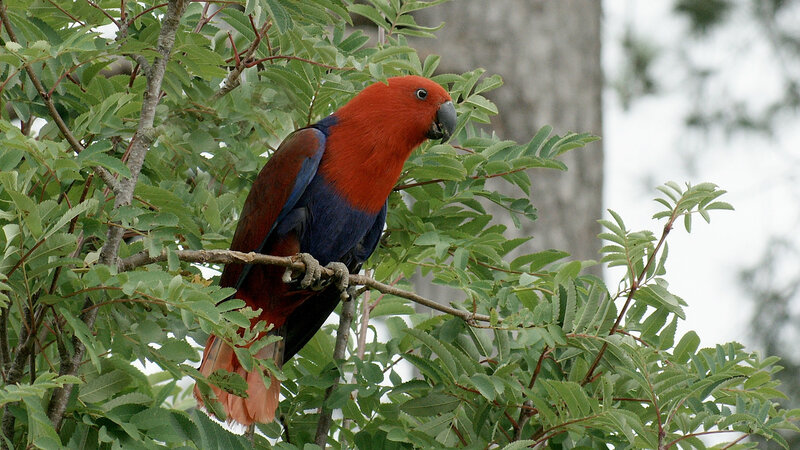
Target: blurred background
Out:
[679,90]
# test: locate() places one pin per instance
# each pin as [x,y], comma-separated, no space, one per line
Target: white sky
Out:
[646,146]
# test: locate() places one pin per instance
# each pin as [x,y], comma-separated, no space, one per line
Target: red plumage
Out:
[376,133]
[323,192]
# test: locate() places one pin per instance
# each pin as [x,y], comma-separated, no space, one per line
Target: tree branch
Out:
[524,414]
[634,287]
[231,256]
[145,133]
[342,335]
[124,191]
[296,58]
[17,368]
[363,327]
[233,80]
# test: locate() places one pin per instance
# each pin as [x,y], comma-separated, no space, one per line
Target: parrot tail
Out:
[261,401]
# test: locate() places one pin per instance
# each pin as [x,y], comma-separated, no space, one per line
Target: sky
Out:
[647,145]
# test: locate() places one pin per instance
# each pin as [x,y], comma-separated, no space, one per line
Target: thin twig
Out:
[154,7]
[233,79]
[705,433]
[105,13]
[455,428]
[634,287]
[296,58]
[78,21]
[342,335]
[230,256]
[66,74]
[203,18]
[524,414]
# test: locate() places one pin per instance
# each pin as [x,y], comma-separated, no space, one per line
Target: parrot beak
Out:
[445,123]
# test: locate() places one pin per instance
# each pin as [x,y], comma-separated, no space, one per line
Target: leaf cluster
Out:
[562,361]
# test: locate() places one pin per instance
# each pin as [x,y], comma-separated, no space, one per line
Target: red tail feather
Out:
[261,401]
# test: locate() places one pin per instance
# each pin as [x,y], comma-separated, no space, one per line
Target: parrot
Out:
[322,195]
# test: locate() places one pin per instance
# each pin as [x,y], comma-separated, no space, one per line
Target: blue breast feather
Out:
[328,227]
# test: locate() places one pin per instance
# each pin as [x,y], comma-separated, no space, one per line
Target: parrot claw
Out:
[341,276]
[313,275]
[311,279]
[287,275]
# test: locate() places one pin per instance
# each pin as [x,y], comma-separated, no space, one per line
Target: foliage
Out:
[560,362]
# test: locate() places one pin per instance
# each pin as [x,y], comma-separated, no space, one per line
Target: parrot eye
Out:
[421,94]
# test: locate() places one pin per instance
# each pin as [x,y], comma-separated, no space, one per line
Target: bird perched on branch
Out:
[323,194]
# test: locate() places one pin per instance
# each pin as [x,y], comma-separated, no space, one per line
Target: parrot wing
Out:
[275,193]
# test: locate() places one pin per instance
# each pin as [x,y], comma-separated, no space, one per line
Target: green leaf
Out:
[104,386]
[370,13]
[539,260]
[686,347]
[133,398]
[445,358]
[232,383]
[177,351]
[40,428]
[430,405]
[280,17]
[484,384]
[520,445]
[95,155]
[483,104]
[657,296]
[211,435]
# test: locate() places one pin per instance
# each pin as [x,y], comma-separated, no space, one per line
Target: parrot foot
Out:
[341,276]
[313,275]
[311,279]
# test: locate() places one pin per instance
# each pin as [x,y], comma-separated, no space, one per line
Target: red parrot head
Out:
[405,110]
[376,131]
[425,106]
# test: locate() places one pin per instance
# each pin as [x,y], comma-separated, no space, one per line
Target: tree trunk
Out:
[548,53]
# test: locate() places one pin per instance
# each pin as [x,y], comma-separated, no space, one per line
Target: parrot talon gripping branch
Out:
[341,278]
[313,276]
[322,194]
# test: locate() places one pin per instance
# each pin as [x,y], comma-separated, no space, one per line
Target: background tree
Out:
[115,189]
[548,54]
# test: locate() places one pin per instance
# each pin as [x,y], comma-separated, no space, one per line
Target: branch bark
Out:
[230,256]
[124,193]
